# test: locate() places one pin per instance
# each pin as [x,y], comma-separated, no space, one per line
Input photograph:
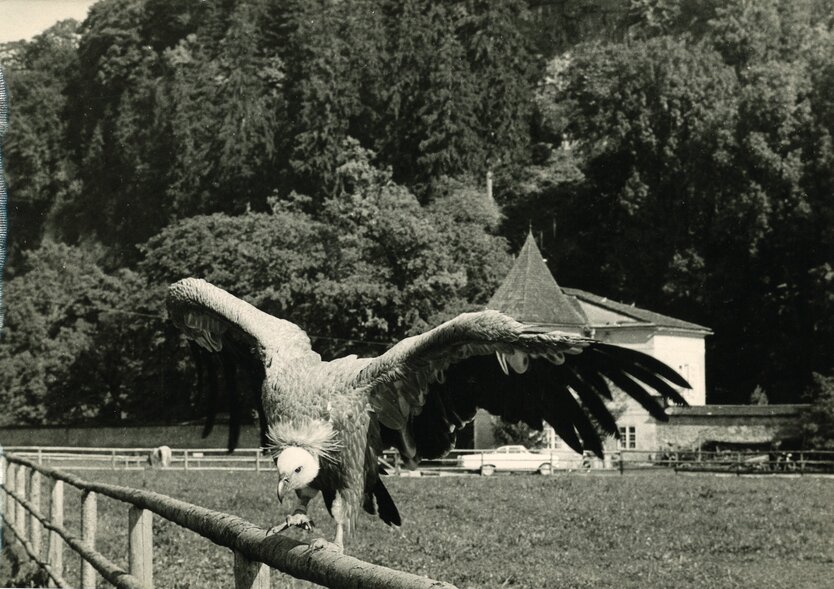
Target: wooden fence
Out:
[559,460]
[44,537]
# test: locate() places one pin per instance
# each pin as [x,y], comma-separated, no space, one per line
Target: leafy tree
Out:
[818,420]
[78,343]
[504,71]
[371,267]
[121,142]
[313,40]
[713,177]
[224,106]
[38,171]
[516,433]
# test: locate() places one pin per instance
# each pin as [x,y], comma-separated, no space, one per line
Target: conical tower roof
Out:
[530,294]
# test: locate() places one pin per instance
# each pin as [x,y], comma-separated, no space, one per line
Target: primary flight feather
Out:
[328,422]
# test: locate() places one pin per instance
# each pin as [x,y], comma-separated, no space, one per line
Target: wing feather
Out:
[223,325]
[206,313]
[432,384]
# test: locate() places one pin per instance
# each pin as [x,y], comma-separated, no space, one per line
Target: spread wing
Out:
[229,332]
[209,315]
[427,387]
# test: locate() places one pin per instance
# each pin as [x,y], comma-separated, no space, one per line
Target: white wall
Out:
[685,352]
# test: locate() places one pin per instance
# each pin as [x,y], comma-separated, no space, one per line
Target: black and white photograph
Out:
[417,294]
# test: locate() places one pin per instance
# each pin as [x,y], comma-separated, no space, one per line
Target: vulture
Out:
[327,423]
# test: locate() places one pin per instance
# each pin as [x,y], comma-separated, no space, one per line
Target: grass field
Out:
[640,530]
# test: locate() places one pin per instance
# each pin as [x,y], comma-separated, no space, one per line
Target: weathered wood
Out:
[20,489]
[249,574]
[55,557]
[140,537]
[325,567]
[35,528]
[55,579]
[110,571]
[88,537]
[4,472]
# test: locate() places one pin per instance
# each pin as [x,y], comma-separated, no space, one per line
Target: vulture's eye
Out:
[298,469]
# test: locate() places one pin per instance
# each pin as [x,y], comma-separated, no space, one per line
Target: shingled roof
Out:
[604,312]
[530,294]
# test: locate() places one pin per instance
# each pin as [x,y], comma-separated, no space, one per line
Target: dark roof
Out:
[637,314]
[530,294]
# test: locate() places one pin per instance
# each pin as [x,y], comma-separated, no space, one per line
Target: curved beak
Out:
[281,490]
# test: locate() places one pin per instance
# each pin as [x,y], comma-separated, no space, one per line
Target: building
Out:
[531,294]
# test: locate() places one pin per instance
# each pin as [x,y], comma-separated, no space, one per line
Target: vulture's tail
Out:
[387,510]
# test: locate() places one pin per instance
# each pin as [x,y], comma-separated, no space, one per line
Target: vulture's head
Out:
[296,469]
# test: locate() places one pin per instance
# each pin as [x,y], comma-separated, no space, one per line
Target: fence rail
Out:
[253,551]
[740,462]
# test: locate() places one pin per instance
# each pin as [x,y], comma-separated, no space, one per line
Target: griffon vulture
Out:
[328,422]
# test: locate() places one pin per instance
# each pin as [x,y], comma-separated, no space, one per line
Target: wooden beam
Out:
[55,557]
[140,532]
[20,489]
[325,567]
[55,580]
[88,537]
[250,574]
[35,528]
[113,573]
[5,477]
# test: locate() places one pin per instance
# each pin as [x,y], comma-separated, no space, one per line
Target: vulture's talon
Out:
[300,520]
[296,520]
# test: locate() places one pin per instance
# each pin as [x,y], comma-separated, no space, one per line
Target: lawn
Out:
[640,530]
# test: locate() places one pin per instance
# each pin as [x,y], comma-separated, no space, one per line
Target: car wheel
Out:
[546,468]
[487,470]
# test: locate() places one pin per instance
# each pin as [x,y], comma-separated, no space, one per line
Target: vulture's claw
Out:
[296,520]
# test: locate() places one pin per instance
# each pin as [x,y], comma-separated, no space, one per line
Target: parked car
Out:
[508,458]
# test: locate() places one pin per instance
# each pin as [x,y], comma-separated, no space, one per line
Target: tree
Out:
[38,169]
[80,344]
[517,433]
[818,419]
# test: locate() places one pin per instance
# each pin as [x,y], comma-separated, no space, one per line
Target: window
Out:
[628,437]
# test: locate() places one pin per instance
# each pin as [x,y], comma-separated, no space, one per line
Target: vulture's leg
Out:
[340,516]
[298,518]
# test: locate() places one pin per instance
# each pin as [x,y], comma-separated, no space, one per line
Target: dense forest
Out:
[326,160]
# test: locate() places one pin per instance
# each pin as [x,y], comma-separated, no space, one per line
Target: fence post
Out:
[56,516]
[20,489]
[88,537]
[140,531]
[249,574]
[8,483]
[113,459]
[257,460]
[185,458]
[36,531]
[5,497]
[622,463]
